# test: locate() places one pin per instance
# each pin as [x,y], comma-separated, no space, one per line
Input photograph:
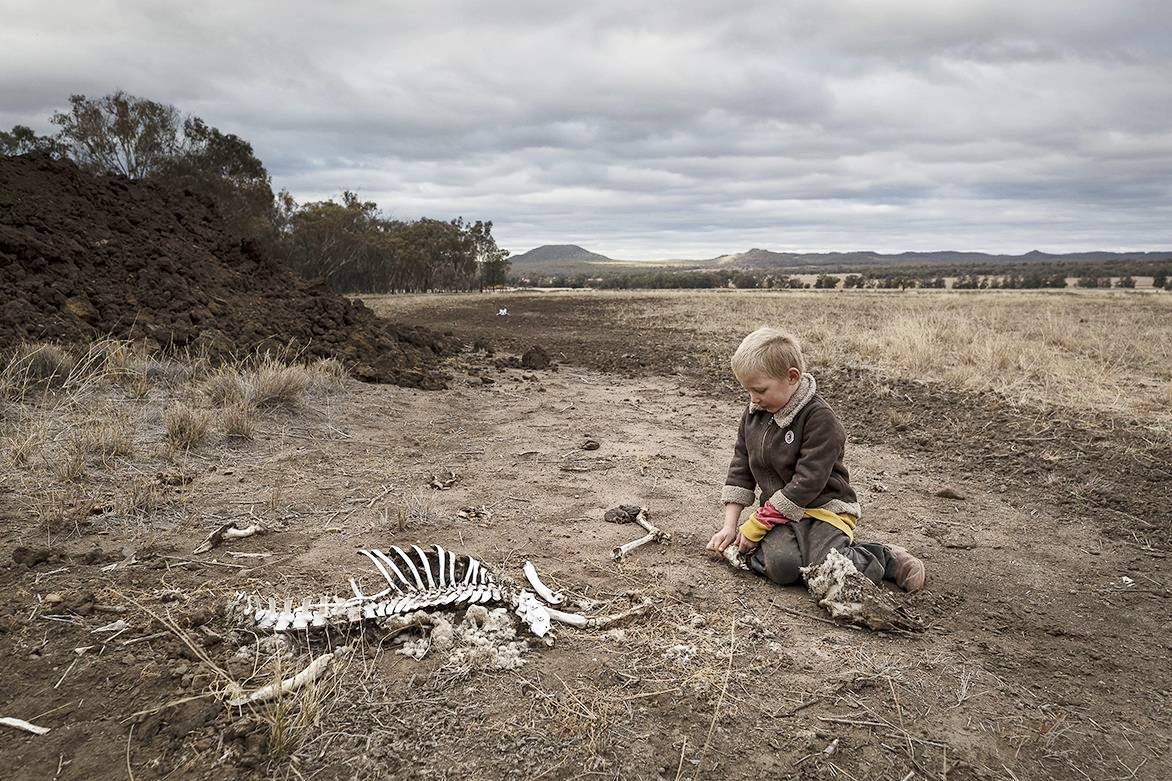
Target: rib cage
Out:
[442,569]
[421,579]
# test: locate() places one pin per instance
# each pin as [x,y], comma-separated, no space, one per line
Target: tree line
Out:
[349,244]
[1043,277]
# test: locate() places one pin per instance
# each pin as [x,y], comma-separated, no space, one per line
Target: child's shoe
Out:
[906,570]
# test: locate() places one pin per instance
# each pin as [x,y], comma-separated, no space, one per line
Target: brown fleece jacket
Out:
[795,458]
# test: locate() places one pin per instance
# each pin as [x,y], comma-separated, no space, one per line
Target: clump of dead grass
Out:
[269,384]
[279,386]
[36,366]
[329,374]
[186,426]
[225,387]
[238,420]
[418,511]
[48,367]
[290,719]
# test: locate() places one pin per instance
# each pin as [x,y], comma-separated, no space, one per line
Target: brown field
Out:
[1018,442]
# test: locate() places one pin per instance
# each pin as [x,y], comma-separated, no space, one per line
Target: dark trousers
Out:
[806,542]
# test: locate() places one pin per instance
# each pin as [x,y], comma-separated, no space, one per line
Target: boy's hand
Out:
[728,533]
[722,539]
[744,544]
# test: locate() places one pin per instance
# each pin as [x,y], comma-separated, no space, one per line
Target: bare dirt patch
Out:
[1045,655]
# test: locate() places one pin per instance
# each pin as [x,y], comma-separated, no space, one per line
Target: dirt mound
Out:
[84,257]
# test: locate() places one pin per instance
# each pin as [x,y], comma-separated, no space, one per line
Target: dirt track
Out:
[1046,654]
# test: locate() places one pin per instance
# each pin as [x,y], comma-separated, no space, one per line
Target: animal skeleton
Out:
[423,579]
[228,531]
[733,556]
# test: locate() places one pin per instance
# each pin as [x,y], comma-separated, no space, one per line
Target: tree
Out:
[745,280]
[119,133]
[491,260]
[351,247]
[439,255]
[223,167]
[322,239]
[24,140]
[146,140]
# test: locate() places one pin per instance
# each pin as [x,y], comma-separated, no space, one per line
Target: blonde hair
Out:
[768,351]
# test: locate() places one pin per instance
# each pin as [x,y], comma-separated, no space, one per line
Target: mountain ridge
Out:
[567,258]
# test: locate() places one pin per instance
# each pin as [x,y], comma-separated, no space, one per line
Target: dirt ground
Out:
[1045,653]
[86,257]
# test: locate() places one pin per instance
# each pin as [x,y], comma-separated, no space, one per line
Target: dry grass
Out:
[104,419]
[1096,351]
[225,387]
[278,386]
[186,426]
[327,374]
[291,719]
[36,366]
[108,435]
[61,509]
[142,497]
[238,420]
[239,393]
[418,511]
[25,439]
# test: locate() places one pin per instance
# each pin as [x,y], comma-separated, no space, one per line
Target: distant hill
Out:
[796,262]
[556,253]
[556,264]
[565,260]
[571,260]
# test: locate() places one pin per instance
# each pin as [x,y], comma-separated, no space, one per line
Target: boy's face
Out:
[769,392]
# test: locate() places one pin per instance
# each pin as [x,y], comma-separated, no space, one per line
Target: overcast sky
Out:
[650,129]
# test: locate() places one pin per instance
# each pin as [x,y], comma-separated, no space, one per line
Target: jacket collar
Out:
[807,387]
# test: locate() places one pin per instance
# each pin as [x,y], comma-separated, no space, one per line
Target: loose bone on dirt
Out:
[654,534]
[298,681]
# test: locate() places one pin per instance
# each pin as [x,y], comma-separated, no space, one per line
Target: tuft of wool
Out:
[681,652]
[850,597]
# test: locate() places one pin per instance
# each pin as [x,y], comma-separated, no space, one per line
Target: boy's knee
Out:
[779,565]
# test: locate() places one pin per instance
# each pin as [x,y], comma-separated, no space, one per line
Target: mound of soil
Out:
[85,257]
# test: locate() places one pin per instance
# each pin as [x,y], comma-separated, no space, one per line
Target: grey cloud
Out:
[662,128]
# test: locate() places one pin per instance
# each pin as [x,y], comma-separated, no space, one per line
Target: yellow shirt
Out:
[754,530]
[844,522]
